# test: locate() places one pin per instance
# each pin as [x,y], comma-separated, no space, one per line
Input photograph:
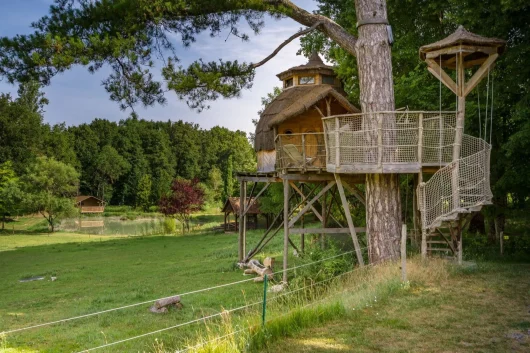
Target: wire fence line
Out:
[185,350]
[234,309]
[153,300]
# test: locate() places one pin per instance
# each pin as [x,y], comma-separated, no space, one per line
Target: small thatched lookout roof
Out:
[232,205]
[292,102]
[314,65]
[463,37]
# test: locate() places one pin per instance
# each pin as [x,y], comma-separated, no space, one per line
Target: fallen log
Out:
[161,305]
[167,301]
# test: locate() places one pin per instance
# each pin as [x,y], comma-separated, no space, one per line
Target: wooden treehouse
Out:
[320,146]
[89,204]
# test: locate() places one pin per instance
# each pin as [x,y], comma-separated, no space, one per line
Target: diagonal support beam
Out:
[346,207]
[304,198]
[254,199]
[440,74]
[310,203]
[356,192]
[479,75]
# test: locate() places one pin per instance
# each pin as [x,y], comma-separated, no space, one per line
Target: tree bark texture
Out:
[383,206]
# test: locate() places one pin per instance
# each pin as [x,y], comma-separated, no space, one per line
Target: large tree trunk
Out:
[383,206]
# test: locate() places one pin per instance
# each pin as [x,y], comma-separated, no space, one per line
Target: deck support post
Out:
[242,220]
[285,228]
[322,238]
[302,236]
[346,207]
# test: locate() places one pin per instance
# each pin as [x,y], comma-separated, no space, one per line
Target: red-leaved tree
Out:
[185,197]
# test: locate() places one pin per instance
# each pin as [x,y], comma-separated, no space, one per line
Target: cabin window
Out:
[328,79]
[288,132]
[306,80]
[288,83]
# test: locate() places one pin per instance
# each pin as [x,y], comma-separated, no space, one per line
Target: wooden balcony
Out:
[389,142]
[300,152]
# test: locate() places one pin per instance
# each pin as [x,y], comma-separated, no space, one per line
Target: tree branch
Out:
[329,27]
[289,40]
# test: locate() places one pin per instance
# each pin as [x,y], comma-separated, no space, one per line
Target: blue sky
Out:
[78,97]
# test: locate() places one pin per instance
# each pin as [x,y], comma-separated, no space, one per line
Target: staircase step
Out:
[438,249]
[436,242]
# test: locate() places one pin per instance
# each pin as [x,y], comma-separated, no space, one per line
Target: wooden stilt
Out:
[346,207]
[242,219]
[302,236]
[322,239]
[285,228]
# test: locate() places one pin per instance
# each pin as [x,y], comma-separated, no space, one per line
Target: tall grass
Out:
[320,303]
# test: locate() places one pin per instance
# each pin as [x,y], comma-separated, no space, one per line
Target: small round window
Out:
[288,132]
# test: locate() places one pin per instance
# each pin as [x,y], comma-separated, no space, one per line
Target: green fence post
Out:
[265,281]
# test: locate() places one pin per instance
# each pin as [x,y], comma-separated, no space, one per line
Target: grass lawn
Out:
[97,273]
[482,310]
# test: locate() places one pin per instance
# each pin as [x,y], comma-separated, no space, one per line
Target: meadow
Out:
[100,272]
[366,310]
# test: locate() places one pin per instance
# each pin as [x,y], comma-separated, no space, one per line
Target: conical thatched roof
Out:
[463,37]
[315,64]
[292,102]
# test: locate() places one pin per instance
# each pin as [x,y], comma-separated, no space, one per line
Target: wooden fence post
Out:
[404,252]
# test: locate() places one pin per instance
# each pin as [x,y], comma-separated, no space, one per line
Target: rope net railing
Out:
[462,186]
[300,151]
[388,142]
[406,141]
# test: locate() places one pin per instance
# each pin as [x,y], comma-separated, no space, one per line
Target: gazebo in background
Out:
[232,206]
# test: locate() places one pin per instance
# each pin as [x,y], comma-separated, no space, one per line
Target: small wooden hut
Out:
[232,206]
[90,204]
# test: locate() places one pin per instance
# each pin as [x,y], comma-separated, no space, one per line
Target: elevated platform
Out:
[389,142]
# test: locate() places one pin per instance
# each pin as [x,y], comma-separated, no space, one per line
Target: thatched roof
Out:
[463,37]
[232,206]
[292,102]
[314,65]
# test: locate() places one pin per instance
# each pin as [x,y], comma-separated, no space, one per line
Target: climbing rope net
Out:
[404,142]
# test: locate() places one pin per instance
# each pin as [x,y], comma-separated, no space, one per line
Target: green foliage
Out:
[214,187]
[50,186]
[143,193]
[170,225]
[10,193]
[228,189]
[110,165]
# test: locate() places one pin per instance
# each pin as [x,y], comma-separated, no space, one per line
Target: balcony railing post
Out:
[304,159]
[337,143]
[420,139]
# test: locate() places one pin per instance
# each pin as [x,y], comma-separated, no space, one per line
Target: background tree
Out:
[50,186]
[108,168]
[143,194]
[228,182]
[185,197]
[215,185]
[10,192]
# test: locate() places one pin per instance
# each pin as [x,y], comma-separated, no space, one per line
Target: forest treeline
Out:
[129,162]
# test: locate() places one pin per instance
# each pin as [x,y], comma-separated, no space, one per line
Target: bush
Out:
[170,226]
